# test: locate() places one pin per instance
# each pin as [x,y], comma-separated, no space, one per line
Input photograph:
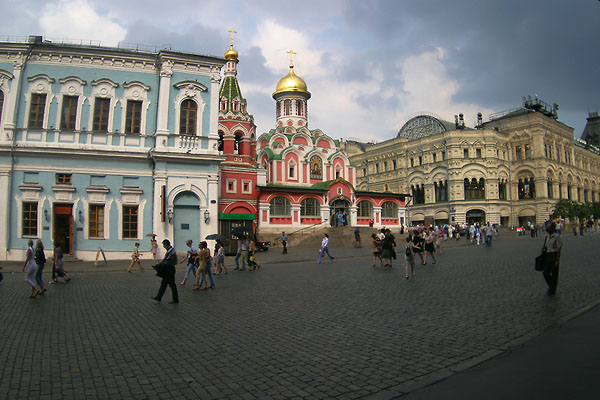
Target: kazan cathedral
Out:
[291,177]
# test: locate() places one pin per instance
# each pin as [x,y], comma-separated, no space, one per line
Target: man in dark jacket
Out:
[166,270]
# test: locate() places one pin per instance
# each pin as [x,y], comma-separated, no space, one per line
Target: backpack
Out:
[408,251]
[39,256]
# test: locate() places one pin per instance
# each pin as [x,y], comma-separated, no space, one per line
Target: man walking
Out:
[166,270]
[284,240]
[357,237]
[551,248]
[489,231]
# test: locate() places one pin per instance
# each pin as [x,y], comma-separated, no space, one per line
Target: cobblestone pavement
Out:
[291,330]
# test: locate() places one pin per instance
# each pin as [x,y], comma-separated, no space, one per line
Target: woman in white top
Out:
[324,248]
[29,267]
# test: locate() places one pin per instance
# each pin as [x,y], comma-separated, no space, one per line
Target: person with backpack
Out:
[40,260]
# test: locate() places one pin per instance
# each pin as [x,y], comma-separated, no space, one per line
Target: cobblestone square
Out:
[293,329]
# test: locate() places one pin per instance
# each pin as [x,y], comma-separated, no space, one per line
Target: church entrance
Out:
[340,206]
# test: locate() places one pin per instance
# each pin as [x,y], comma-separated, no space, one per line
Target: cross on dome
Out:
[291,53]
[233,32]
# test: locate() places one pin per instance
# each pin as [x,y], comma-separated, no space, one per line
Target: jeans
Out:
[190,267]
[237,262]
[488,240]
[38,274]
[208,271]
[323,251]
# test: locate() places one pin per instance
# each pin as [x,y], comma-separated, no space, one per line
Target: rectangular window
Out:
[231,185]
[527,151]
[377,168]
[247,187]
[63,179]
[36,111]
[550,194]
[443,155]
[68,115]
[519,152]
[434,157]
[30,219]
[412,162]
[101,111]
[394,164]
[96,221]
[420,160]
[133,117]
[478,153]
[130,222]
[465,153]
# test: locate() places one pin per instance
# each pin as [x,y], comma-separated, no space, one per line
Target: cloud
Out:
[77,19]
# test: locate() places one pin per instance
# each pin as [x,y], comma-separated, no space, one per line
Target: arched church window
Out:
[310,208]
[299,108]
[316,167]
[223,105]
[280,207]
[365,209]
[287,106]
[389,209]
[278,109]
[238,142]
[187,117]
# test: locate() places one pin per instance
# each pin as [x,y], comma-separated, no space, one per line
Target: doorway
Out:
[62,233]
[476,217]
[337,206]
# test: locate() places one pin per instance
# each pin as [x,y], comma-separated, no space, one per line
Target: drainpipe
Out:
[407,189]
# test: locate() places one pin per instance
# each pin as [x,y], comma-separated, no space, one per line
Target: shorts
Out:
[221,259]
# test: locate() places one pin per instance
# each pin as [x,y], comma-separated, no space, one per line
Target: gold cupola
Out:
[291,82]
[231,54]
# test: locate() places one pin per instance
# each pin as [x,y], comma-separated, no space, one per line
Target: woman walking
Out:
[324,249]
[419,245]
[409,257]
[205,269]
[376,250]
[58,269]
[552,248]
[29,267]
[439,242]
[221,258]
[387,248]
[154,245]
[190,256]
[429,246]
[40,260]
[135,258]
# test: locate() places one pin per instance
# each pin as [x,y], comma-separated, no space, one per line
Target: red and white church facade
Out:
[291,177]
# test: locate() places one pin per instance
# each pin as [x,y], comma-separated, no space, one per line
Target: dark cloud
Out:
[497,51]
[252,68]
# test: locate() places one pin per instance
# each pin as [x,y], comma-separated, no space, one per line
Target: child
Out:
[135,258]
[410,257]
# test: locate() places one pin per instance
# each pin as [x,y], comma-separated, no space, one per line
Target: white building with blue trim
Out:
[100,147]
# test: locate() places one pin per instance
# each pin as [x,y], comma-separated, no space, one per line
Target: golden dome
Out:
[291,83]
[231,54]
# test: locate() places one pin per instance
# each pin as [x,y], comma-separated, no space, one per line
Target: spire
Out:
[291,53]
[231,54]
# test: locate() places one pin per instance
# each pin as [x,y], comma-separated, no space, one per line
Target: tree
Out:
[565,209]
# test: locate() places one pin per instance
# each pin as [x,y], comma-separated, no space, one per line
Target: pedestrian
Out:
[243,248]
[284,241]
[532,230]
[238,254]
[58,268]
[489,231]
[340,217]
[478,234]
[357,237]
[40,261]
[190,257]
[387,248]
[581,228]
[429,246]
[252,264]
[29,267]
[154,248]
[590,227]
[439,240]
[552,248]
[220,261]
[135,258]
[166,271]
[376,250]
[325,249]
[205,268]
[409,257]
[344,218]
[419,245]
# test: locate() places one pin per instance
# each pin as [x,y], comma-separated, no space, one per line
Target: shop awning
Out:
[237,216]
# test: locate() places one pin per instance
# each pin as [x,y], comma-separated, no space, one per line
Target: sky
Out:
[370,65]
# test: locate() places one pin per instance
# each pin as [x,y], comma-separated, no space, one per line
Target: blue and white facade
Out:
[100,147]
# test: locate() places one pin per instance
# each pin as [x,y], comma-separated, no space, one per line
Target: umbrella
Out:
[240,230]
[151,234]
[215,236]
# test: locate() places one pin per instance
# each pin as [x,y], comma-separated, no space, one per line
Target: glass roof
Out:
[421,125]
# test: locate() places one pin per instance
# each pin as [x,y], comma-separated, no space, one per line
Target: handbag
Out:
[539,260]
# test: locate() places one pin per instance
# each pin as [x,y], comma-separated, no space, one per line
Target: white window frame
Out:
[135,91]
[231,181]
[249,183]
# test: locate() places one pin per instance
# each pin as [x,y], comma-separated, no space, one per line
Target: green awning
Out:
[237,216]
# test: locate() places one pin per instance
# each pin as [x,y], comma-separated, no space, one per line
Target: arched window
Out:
[187,117]
[418,193]
[280,207]
[299,108]
[1,104]
[287,106]
[526,188]
[238,142]
[474,189]
[310,208]
[389,209]
[365,209]
[221,141]
[441,191]
[278,109]
[223,105]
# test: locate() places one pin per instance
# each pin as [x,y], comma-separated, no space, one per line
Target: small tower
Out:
[237,132]
[591,132]
[291,99]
